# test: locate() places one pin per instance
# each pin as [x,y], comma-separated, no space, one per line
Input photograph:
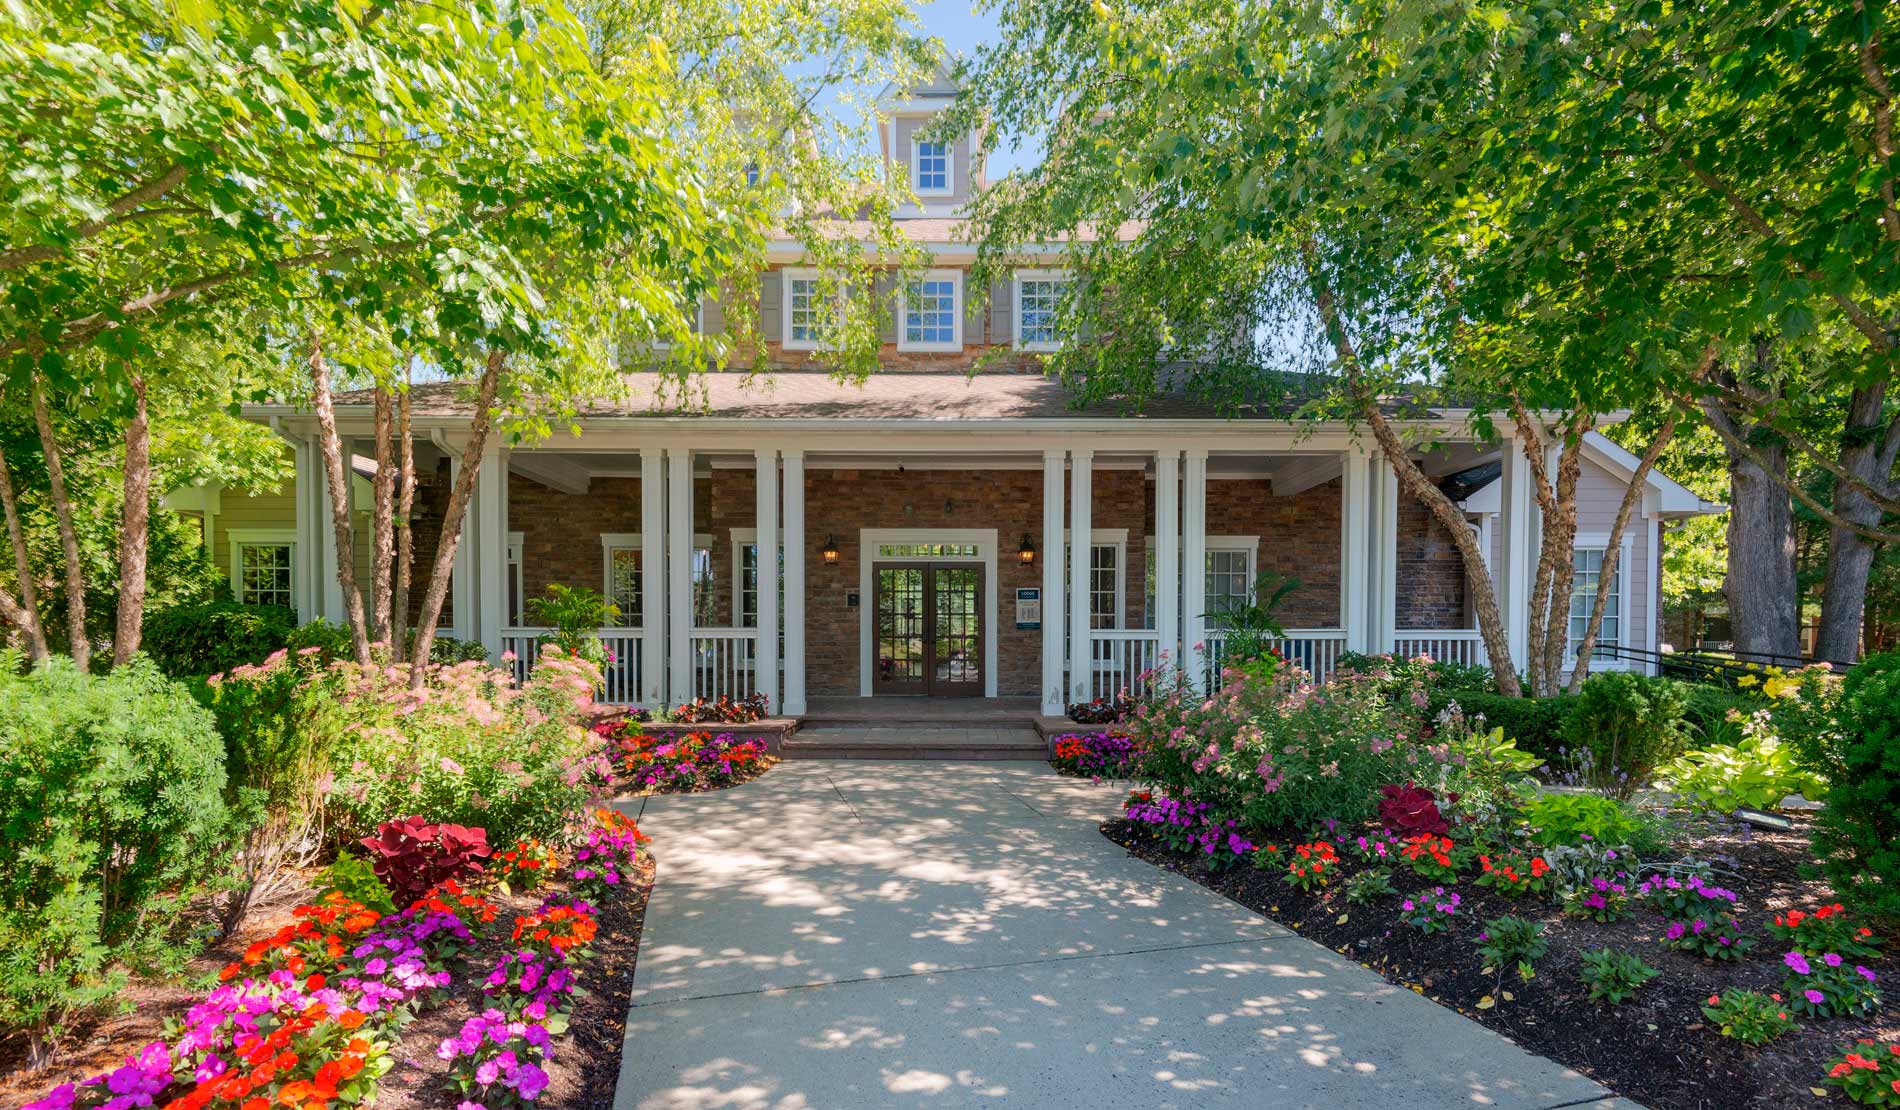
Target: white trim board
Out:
[869,538]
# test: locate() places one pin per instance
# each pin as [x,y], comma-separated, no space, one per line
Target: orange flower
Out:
[350,1019]
[256,1104]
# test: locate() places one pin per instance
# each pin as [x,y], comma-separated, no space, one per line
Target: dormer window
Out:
[1039,296]
[931,311]
[930,167]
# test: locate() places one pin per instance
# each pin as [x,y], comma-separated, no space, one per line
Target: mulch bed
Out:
[582,1073]
[1657,1048]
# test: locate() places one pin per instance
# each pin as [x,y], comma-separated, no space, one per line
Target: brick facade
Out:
[1299,536]
[1431,573]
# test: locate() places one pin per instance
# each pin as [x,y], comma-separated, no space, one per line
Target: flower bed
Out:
[1095,755]
[681,764]
[1665,1046]
[321,1011]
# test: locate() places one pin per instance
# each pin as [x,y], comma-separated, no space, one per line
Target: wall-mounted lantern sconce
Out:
[1026,551]
[831,548]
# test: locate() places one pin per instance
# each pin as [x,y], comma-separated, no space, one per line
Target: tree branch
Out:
[145,192]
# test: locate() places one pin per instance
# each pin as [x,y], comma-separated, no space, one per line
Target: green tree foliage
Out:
[112,810]
[1857,836]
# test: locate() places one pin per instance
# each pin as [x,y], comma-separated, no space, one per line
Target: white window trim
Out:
[1248,544]
[1116,538]
[1589,541]
[788,275]
[740,539]
[869,538]
[949,169]
[516,542]
[1016,311]
[238,538]
[609,543]
[955,278]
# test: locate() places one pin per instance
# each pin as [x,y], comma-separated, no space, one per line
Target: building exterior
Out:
[938,532]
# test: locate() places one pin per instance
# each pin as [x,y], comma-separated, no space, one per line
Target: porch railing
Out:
[725,662]
[1446,645]
[620,676]
[1123,659]
[1317,650]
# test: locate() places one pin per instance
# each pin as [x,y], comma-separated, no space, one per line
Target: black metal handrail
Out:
[1706,667]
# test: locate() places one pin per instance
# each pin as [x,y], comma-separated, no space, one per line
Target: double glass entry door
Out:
[928,625]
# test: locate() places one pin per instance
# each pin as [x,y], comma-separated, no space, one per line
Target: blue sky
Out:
[962,28]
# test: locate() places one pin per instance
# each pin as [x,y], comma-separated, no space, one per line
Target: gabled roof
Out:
[1478,488]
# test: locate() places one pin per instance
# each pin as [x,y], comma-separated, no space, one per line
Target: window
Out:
[809,313]
[517,597]
[745,548]
[1229,581]
[932,169]
[703,597]
[263,562]
[751,173]
[1105,585]
[931,319]
[621,568]
[1038,299]
[1588,564]
[928,551]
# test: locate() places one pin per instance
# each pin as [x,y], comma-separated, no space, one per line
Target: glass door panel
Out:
[898,625]
[956,630]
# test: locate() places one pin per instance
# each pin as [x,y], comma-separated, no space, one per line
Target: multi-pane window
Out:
[264,574]
[623,582]
[1588,565]
[1037,301]
[704,599]
[747,600]
[1104,586]
[809,312]
[930,313]
[1229,583]
[933,167]
[928,550]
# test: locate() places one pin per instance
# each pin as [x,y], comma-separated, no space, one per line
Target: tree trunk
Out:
[339,477]
[81,647]
[1613,550]
[1868,455]
[25,611]
[405,539]
[134,529]
[382,519]
[1557,509]
[1762,597]
[452,518]
[1483,592]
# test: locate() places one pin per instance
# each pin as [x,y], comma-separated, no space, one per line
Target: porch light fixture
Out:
[831,548]
[1026,551]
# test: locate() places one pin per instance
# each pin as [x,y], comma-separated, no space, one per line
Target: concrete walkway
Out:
[897,934]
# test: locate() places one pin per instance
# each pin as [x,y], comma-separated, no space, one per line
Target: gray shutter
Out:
[1002,310]
[771,312]
[714,316]
[975,314]
[884,303]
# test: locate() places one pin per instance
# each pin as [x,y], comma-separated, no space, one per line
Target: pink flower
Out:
[1816,997]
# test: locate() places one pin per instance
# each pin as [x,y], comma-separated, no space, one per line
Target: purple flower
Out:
[1832,959]
[1815,997]
[1798,962]
[1866,973]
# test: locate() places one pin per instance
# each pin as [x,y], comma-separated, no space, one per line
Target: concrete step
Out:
[889,741]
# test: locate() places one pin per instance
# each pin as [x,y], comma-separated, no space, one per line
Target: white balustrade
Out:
[1316,650]
[1124,659]
[725,662]
[1454,645]
[620,676]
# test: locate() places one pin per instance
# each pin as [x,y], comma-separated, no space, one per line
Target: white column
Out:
[653,639]
[1168,554]
[1355,516]
[491,548]
[462,567]
[1194,566]
[1384,586]
[1053,625]
[679,573]
[794,700]
[307,574]
[765,516]
[1514,571]
[1081,525]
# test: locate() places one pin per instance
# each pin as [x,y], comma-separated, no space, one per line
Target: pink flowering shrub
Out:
[1273,751]
[468,748]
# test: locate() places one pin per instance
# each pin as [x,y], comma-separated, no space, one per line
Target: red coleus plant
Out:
[412,856]
[1412,809]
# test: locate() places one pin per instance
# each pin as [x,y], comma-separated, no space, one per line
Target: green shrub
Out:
[1714,714]
[111,808]
[1561,818]
[1621,726]
[1441,679]
[1275,756]
[469,749]
[206,639]
[1614,976]
[1756,771]
[1857,835]
[1535,723]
